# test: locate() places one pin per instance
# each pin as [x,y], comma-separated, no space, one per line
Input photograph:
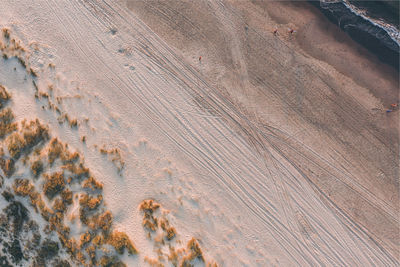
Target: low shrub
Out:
[37,168]
[33,72]
[79,171]
[7,125]
[66,196]
[111,261]
[173,256]
[4,96]
[32,133]
[23,187]
[59,205]
[149,206]
[8,196]
[61,263]
[14,250]
[56,221]
[153,262]
[102,222]
[15,144]
[54,151]
[169,230]
[7,165]
[91,252]
[98,240]
[120,241]
[92,184]
[85,238]
[73,123]
[116,158]
[48,250]
[21,61]
[4,262]
[149,221]
[59,150]
[193,252]
[54,184]
[16,212]
[90,203]
[6,33]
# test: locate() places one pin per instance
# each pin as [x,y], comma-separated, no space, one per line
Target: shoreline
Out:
[378,39]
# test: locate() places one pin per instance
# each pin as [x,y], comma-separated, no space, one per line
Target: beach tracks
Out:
[258,166]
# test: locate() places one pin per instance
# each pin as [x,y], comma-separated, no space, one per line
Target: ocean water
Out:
[385,11]
[373,24]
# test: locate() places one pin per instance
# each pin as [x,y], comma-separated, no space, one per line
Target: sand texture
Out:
[269,150]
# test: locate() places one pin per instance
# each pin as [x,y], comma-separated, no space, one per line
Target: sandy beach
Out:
[169,133]
[318,85]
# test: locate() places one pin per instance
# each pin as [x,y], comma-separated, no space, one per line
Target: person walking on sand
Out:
[200,59]
[275,32]
[393,107]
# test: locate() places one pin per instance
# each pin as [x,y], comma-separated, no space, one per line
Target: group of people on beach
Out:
[290,31]
[393,107]
[275,32]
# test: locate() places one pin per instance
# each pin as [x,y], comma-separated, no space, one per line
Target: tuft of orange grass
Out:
[120,241]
